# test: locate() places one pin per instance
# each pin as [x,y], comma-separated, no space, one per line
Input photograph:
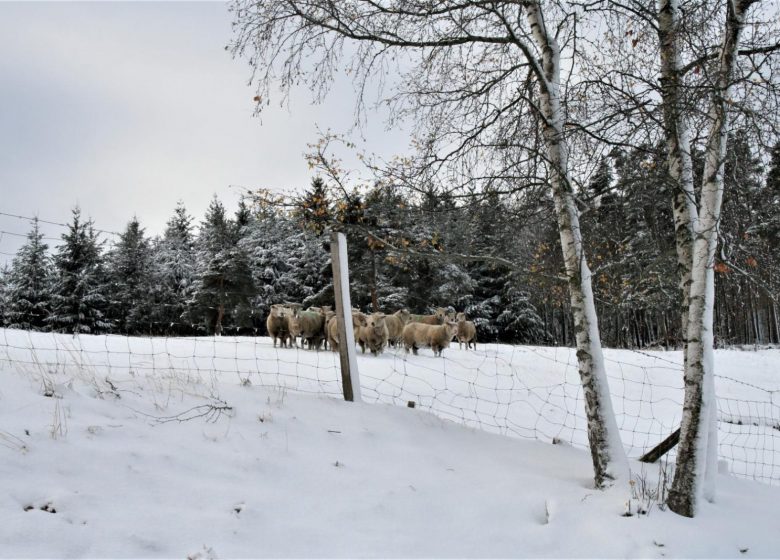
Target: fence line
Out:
[520,391]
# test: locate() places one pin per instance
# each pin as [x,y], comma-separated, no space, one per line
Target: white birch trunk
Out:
[678,146]
[608,455]
[697,456]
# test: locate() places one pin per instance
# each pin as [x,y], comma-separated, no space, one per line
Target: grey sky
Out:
[125,108]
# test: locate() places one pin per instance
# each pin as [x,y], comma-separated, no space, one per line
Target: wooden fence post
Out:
[350,378]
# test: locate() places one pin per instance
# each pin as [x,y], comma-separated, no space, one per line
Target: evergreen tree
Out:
[173,274]
[288,264]
[519,320]
[747,259]
[79,301]
[350,214]
[601,182]
[130,281]
[223,288]
[313,209]
[768,219]
[28,288]
[242,312]
[631,249]
[4,274]
[489,237]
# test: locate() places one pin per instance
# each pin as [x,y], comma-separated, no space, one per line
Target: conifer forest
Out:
[494,255]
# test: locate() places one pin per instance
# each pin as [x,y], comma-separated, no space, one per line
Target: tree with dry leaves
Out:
[486,84]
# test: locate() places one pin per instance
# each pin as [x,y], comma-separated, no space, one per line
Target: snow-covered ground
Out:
[125,447]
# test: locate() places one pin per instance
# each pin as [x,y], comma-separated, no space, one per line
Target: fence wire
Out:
[520,391]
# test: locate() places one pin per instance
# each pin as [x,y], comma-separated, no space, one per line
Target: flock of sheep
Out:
[318,325]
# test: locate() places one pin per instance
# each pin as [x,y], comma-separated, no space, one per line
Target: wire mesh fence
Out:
[520,391]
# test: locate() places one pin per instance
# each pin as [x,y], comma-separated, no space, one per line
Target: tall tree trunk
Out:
[609,460]
[218,320]
[678,148]
[697,453]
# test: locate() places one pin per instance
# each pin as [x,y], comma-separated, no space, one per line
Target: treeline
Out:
[494,255]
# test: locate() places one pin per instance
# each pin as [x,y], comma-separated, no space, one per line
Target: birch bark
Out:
[697,453]
[608,456]
[678,146]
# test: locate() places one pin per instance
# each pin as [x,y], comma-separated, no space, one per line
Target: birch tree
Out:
[484,84]
[685,98]
[697,456]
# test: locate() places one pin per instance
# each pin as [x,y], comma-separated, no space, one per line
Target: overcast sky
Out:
[126,108]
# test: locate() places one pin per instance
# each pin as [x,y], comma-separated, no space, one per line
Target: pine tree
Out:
[288,264]
[79,302]
[601,182]
[519,320]
[223,288]
[130,281]
[4,274]
[488,238]
[242,312]
[350,214]
[29,284]
[744,307]
[313,209]
[173,275]
[768,222]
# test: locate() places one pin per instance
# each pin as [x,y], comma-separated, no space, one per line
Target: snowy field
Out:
[202,447]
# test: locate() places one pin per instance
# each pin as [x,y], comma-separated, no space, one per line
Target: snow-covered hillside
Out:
[119,447]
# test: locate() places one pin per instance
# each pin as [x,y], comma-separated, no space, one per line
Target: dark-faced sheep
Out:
[395,326]
[280,324]
[437,318]
[436,337]
[374,334]
[465,332]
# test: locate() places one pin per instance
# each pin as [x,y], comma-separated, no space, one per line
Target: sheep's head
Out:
[358,319]
[294,324]
[451,327]
[278,310]
[404,315]
[460,317]
[376,322]
[440,314]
